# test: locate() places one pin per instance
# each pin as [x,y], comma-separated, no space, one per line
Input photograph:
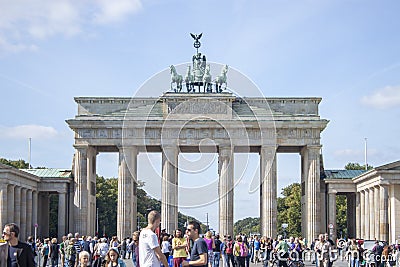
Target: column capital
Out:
[268,148]
[4,186]
[225,151]
[80,147]
[314,147]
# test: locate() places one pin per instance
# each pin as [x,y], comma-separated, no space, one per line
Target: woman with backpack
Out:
[240,251]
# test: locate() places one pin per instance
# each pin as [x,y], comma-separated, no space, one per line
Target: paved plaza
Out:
[338,263]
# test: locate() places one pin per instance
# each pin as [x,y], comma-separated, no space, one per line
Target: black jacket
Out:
[24,255]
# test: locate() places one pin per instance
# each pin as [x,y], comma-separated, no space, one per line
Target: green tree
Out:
[247,226]
[341,215]
[53,215]
[356,166]
[19,164]
[289,210]
[106,202]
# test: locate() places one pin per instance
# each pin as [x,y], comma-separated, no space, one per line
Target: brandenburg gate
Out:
[203,117]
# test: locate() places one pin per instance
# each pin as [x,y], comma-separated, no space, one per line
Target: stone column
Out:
[62,211]
[17,205]
[22,228]
[91,191]
[10,203]
[362,204]
[226,189]
[81,191]
[29,216]
[133,170]
[371,214]
[377,211]
[384,219]
[351,215]
[358,215]
[125,214]
[366,213]
[3,204]
[268,191]
[44,201]
[35,208]
[169,188]
[312,191]
[332,213]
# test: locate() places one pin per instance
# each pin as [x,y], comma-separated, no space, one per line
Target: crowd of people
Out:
[185,247]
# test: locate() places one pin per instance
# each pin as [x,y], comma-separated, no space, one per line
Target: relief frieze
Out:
[199,108]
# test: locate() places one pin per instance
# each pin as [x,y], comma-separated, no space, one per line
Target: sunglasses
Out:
[188,229]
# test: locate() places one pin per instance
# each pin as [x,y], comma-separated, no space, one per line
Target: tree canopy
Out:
[19,164]
[106,202]
[289,210]
[357,166]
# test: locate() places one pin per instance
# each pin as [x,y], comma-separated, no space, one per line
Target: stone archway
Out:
[179,121]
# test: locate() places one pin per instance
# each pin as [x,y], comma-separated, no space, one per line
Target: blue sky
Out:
[346,52]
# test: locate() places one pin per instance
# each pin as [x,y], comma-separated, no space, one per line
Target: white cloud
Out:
[383,98]
[24,22]
[112,11]
[27,131]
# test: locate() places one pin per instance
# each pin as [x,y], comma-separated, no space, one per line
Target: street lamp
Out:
[207,221]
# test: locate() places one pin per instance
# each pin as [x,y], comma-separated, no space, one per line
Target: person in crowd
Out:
[282,250]
[332,245]
[229,252]
[352,254]
[54,252]
[150,254]
[165,247]
[113,259]
[323,250]
[199,251]
[124,245]
[386,255]
[217,251]
[45,251]
[297,250]
[240,251]
[84,259]
[32,244]
[249,255]
[211,246]
[62,250]
[179,247]
[256,249]
[15,252]
[114,242]
[70,253]
[268,249]
[377,251]
[134,247]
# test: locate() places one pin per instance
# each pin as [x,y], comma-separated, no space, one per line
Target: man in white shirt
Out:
[150,254]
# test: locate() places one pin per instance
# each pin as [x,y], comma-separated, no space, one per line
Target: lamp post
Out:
[207,221]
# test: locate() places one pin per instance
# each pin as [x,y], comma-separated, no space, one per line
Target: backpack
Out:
[70,252]
[228,249]
[244,250]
